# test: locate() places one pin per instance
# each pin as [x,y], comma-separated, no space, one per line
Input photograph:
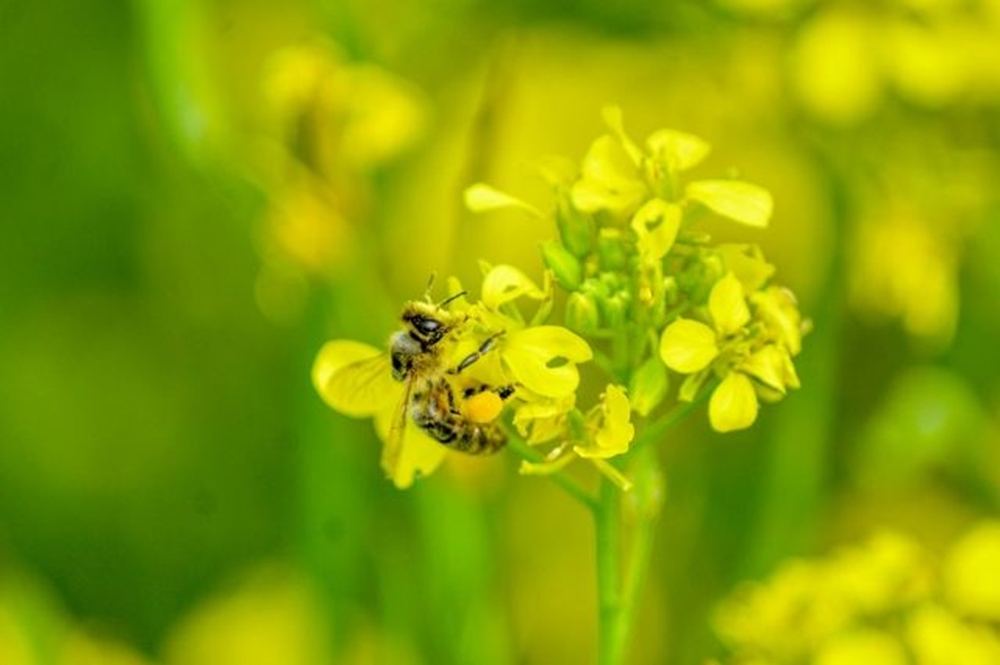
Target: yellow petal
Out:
[483,198]
[739,201]
[419,455]
[354,378]
[613,119]
[616,432]
[609,180]
[656,224]
[688,346]
[733,405]
[504,283]
[728,306]
[679,150]
[542,419]
[777,307]
[748,264]
[768,366]
[543,359]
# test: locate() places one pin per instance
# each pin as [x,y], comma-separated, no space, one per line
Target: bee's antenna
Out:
[430,283]
[451,298]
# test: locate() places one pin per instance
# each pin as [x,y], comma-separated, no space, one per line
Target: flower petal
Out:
[504,283]
[739,201]
[767,365]
[656,224]
[616,431]
[542,419]
[613,119]
[679,150]
[419,454]
[728,305]
[533,356]
[733,405]
[688,346]
[354,378]
[483,198]
[776,306]
[748,264]
[610,180]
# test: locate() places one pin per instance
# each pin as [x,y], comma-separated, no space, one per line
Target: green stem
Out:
[656,430]
[607,528]
[647,500]
[570,486]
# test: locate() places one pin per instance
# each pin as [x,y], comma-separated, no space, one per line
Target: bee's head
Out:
[426,323]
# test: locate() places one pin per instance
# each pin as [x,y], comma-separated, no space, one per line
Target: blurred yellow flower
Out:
[972,573]
[867,646]
[880,602]
[271,618]
[903,269]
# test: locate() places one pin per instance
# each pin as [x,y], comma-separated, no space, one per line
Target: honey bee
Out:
[437,398]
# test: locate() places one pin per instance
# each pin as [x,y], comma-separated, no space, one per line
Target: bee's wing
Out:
[393,448]
[358,387]
[408,452]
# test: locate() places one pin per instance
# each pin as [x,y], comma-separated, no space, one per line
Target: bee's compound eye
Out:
[483,407]
[426,325]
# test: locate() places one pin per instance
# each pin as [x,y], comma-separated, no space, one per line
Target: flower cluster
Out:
[644,279]
[885,602]
[644,291]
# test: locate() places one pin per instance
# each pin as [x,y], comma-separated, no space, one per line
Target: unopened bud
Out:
[648,386]
[576,228]
[611,250]
[582,314]
[614,310]
[565,267]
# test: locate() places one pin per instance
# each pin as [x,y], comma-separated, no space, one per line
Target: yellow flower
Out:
[541,358]
[543,420]
[612,430]
[617,176]
[738,350]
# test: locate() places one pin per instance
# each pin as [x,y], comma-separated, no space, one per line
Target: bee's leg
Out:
[503,391]
[483,349]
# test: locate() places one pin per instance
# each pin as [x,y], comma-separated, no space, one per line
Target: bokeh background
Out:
[197,194]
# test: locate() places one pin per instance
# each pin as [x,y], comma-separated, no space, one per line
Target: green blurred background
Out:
[196,195]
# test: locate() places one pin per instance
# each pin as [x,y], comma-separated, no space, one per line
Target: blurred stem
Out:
[607,527]
[518,446]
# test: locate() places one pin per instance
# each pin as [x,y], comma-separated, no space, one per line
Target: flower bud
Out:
[576,228]
[611,250]
[648,386]
[595,287]
[614,310]
[565,267]
[582,314]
